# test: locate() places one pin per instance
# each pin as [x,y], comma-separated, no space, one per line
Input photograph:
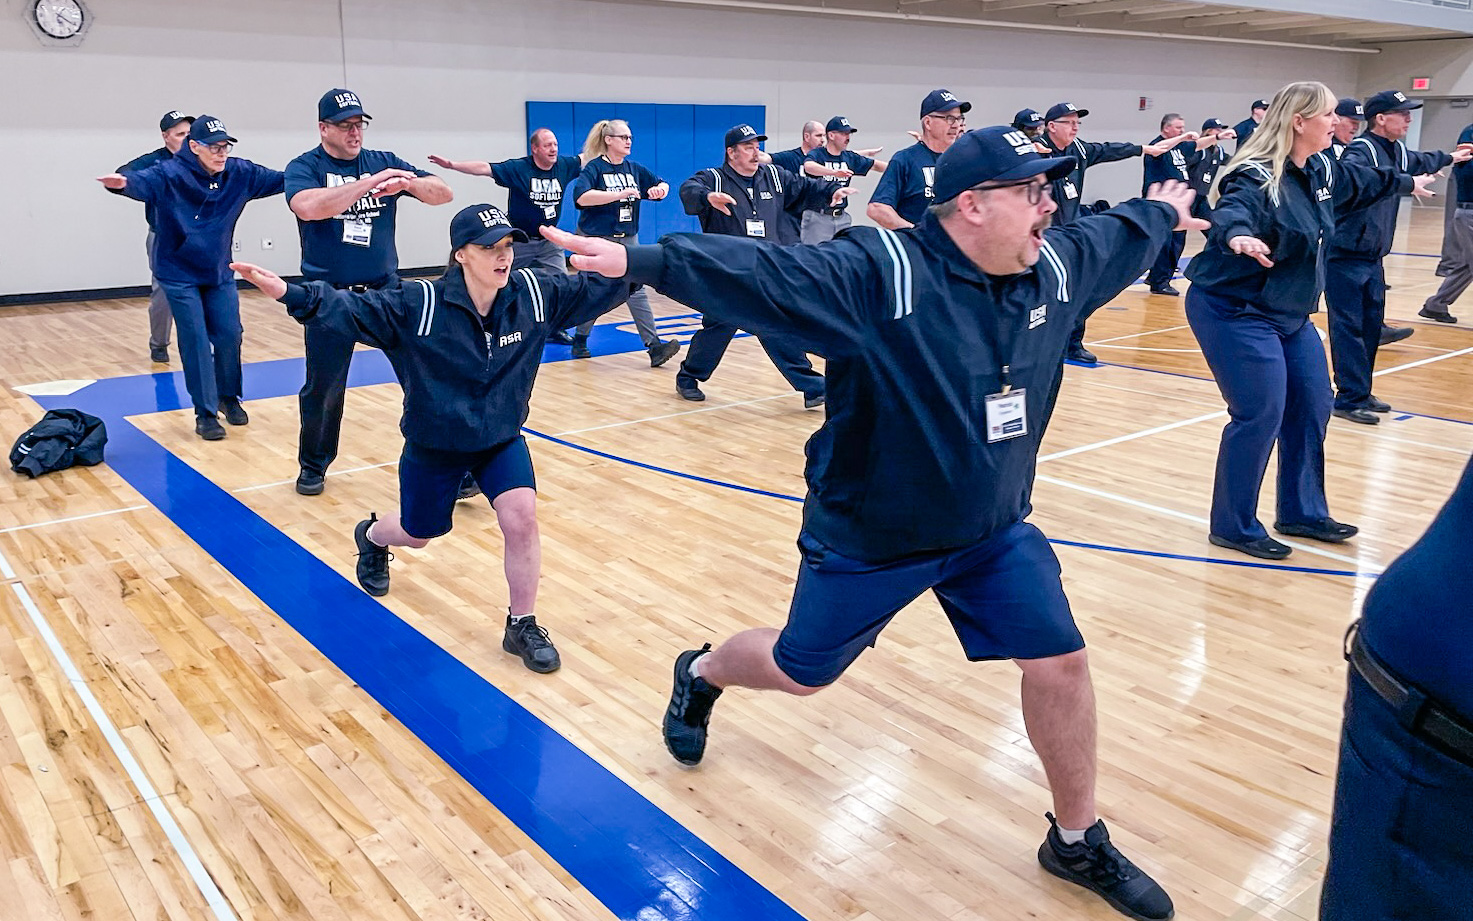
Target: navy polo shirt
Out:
[338,250]
[1463,172]
[602,176]
[535,196]
[1176,164]
[906,184]
[860,165]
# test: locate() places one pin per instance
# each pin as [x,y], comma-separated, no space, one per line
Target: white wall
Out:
[452,76]
[1449,63]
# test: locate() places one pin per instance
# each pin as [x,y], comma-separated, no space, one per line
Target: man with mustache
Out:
[943,343]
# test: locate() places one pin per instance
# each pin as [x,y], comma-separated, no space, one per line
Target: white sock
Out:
[516,618]
[369,534]
[1070,836]
[695,666]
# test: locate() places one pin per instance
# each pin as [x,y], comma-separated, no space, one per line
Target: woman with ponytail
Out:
[1253,289]
[607,195]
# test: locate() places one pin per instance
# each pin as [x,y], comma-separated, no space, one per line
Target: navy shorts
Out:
[429,481]
[1003,596]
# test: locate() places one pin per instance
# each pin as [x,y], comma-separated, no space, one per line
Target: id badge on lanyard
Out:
[626,214]
[1007,414]
[357,232]
[756,228]
[1070,192]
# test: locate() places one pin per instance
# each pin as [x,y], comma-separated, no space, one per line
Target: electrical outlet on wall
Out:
[236,246]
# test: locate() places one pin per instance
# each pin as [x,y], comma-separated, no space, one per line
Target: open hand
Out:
[265,279]
[591,254]
[1252,246]
[720,201]
[1178,195]
[113,180]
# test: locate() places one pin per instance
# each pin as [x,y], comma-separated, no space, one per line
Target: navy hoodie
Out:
[195,213]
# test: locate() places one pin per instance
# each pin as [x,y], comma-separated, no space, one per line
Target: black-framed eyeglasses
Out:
[222,148]
[1035,189]
[346,127]
[622,137]
[950,119]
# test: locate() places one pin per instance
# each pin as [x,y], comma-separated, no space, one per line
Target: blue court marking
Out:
[636,860]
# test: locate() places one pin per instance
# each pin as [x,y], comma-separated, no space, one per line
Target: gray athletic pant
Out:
[639,308]
[1458,250]
[160,320]
[820,227]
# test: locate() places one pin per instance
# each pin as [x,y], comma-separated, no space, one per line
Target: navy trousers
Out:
[1164,268]
[1399,838]
[710,343]
[207,324]
[320,401]
[1277,389]
[1355,293]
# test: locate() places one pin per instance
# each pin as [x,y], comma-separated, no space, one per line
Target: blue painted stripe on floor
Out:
[636,860]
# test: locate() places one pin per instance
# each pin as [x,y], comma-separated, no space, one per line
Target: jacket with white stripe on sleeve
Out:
[1296,220]
[916,337]
[1367,234]
[467,379]
[763,196]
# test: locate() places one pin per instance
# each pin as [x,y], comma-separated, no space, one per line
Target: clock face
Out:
[59,18]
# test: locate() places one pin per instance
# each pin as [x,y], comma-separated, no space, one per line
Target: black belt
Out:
[1418,713]
[356,289]
[617,236]
[831,212]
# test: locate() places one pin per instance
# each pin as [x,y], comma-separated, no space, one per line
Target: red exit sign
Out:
[1421,84]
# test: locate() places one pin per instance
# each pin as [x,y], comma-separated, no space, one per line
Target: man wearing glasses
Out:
[943,343]
[198,196]
[906,189]
[345,198]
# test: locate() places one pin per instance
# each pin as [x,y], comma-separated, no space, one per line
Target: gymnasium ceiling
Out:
[1158,18]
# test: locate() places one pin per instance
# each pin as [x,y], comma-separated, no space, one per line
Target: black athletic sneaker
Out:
[310,483]
[580,347]
[662,351]
[159,354]
[208,428]
[1095,864]
[373,560]
[468,488]
[690,710]
[235,414]
[524,638]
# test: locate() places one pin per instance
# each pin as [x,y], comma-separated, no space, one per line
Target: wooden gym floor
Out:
[202,716]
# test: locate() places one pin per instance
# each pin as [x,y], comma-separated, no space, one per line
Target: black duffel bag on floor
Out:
[62,438]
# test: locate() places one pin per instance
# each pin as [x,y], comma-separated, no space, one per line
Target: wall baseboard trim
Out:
[109,294]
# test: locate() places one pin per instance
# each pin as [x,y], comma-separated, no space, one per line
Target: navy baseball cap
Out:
[1259,104]
[942,101]
[483,225]
[998,154]
[1389,101]
[741,134]
[171,119]
[1064,108]
[1350,107]
[840,123]
[1211,123]
[336,105]
[207,130]
[1028,118]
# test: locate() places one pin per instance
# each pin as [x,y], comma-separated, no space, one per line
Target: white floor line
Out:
[1152,332]
[686,412]
[5,570]
[1133,436]
[1154,394]
[1462,452]
[329,473]
[1360,565]
[150,796]
[1142,348]
[1424,361]
[49,523]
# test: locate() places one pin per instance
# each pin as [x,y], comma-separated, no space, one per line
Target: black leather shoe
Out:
[1359,414]
[580,347]
[208,428]
[1440,316]
[525,639]
[1265,548]
[1165,290]
[310,483]
[1095,864]
[159,354]
[690,392]
[662,351]
[1330,531]
[813,402]
[560,337]
[1390,334]
[689,712]
[235,414]
[1377,406]
[1082,355]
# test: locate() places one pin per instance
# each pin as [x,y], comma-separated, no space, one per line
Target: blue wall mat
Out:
[672,140]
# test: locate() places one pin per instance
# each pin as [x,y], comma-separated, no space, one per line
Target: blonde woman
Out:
[1253,289]
[607,194]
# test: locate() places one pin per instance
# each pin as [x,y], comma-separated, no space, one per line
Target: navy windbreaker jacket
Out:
[1367,234]
[916,337]
[467,379]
